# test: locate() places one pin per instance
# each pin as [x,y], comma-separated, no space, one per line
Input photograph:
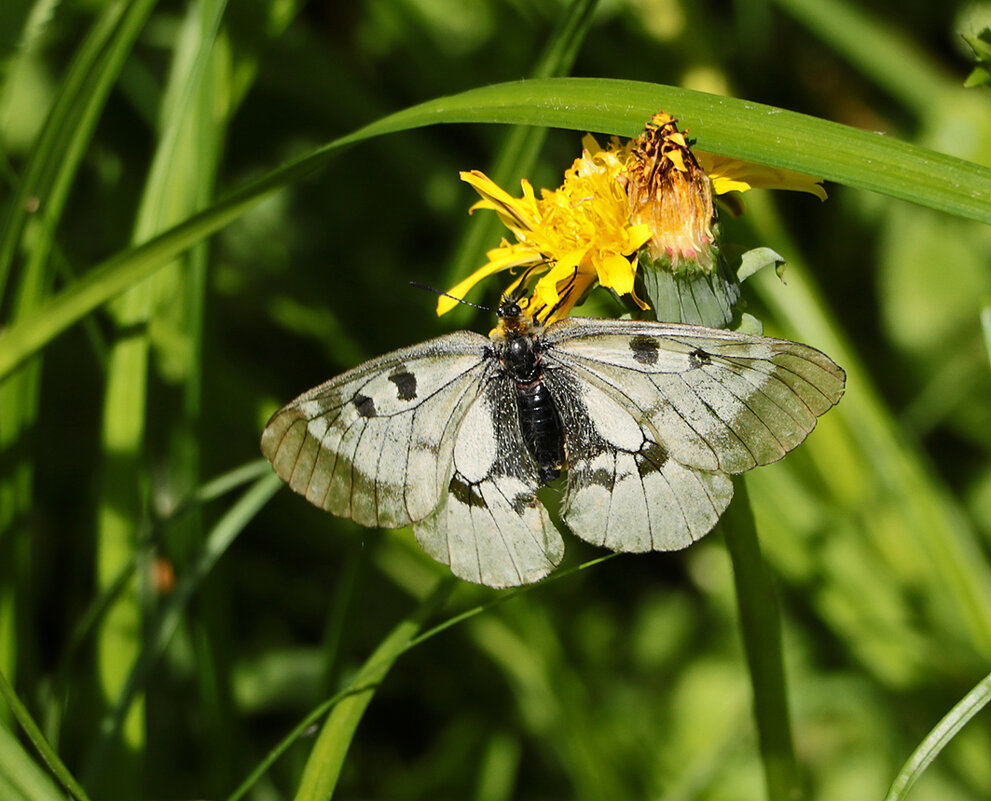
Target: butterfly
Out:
[454,436]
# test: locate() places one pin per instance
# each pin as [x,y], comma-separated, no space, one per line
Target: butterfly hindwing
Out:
[490,527]
[376,443]
[625,491]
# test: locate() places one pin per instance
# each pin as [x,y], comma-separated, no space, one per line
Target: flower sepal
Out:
[695,297]
[756,259]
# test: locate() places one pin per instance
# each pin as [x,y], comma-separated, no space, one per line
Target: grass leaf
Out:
[722,125]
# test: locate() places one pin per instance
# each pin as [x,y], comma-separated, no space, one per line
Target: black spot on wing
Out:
[699,358]
[652,458]
[600,478]
[466,493]
[405,383]
[520,503]
[644,348]
[364,405]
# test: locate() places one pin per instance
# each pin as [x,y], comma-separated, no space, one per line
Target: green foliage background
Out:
[167,617]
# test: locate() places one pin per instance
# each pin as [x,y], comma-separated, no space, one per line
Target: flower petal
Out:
[728,175]
[501,258]
[515,213]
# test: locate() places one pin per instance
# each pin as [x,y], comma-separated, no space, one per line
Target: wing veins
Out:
[716,416]
[784,368]
[313,472]
[441,438]
[677,500]
[335,453]
[746,374]
[745,402]
[502,537]
[642,420]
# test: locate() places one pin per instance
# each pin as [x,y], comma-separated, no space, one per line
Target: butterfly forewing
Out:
[715,400]
[375,444]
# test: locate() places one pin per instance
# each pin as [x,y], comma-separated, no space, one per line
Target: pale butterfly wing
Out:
[427,436]
[490,528]
[625,493]
[376,443]
[664,412]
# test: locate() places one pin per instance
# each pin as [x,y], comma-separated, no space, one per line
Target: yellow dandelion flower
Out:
[567,240]
[650,198]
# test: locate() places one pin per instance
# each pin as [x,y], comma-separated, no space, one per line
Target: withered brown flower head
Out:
[671,194]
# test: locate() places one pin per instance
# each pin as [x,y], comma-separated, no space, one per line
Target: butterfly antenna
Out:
[568,288]
[429,288]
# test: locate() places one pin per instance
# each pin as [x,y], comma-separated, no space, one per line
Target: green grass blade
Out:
[20,777]
[64,139]
[173,190]
[167,621]
[760,623]
[95,611]
[38,740]
[729,126]
[324,765]
[875,473]
[352,688]
[231,480]
[938,738]
[46,182]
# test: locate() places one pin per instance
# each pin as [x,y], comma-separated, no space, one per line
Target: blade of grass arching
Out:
[38,740]
[760,624]
[938,739]
[887,484]
[163,627]
[722,125]
[323,767]
[521,146]
[21,779]
[177,185]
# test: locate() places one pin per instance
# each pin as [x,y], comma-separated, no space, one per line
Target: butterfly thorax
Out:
[517,346]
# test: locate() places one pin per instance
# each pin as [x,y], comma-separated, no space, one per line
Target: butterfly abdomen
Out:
[541,427]
[540,422]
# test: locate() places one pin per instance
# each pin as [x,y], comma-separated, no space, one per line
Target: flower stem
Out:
[760,623]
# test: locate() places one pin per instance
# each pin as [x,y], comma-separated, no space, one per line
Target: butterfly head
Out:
[514,320]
